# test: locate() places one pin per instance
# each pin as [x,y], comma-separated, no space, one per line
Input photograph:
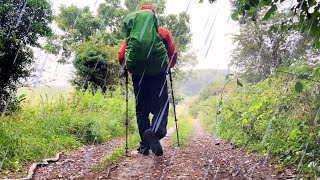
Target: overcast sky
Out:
[202,17]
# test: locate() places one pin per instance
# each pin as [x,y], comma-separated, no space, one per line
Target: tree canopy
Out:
[91,37]
[21,25]
[261,49]
[305,15]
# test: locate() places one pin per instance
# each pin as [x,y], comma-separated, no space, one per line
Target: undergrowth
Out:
[43,127]
[185,127]
[276,117]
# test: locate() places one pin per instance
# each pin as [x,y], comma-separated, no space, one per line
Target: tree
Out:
[305,15]
[96,64]
[94,40]
[110,15]
[78,25]
[262,49]
[22,23]
[179,26]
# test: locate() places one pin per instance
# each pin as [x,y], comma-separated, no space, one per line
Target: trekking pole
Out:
[127,99]
[174,108]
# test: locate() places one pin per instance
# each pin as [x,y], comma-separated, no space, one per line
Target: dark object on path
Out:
[143,150]
[43,163]
[154,142]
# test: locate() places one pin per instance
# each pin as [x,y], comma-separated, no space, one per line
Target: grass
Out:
[269,117]
[39,94]
[53,120]
[185,127]
[61,122]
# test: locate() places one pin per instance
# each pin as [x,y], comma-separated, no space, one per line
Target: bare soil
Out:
[201,159]
[78,164]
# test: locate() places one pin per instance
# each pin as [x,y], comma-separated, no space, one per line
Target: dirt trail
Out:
[137,166]
[205,160]
[74,166]
[201,159]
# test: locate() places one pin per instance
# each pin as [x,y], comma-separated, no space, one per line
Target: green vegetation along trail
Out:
[200,159]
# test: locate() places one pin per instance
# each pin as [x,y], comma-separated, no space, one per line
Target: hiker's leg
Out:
[159,104]
[142,109]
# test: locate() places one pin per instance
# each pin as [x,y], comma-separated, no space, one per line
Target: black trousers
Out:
[151,94]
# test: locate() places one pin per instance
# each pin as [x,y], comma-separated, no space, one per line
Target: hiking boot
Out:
[143,150]
[154,142]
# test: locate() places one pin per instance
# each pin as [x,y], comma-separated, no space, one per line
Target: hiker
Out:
[147,53]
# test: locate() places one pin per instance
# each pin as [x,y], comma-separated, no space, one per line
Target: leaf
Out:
[284,28]
[298,87]
[303,76]
[283,68]
[252,9]
[234,16]
[239,83]
[265,2]
[312,3]
[301,127]
[293,135]
[244,121]
[22,97]
[270,12]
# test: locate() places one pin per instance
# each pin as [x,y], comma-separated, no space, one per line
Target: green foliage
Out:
[185,126]
[306,13]
[96,64]
[78,24]
[111,16]
[179,28]
[64,123]
[277,115]
[262,48]
[21,25]
[82,28]
[271,11]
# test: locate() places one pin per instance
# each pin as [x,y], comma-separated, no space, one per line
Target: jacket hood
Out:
[148,7]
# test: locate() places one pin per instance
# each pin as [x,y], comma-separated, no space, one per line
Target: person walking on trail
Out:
[148,51]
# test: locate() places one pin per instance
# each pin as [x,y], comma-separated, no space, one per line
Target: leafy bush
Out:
[17,36]
[96,65]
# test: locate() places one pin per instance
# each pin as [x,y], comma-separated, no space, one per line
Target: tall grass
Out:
[65,121]
[185,127]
